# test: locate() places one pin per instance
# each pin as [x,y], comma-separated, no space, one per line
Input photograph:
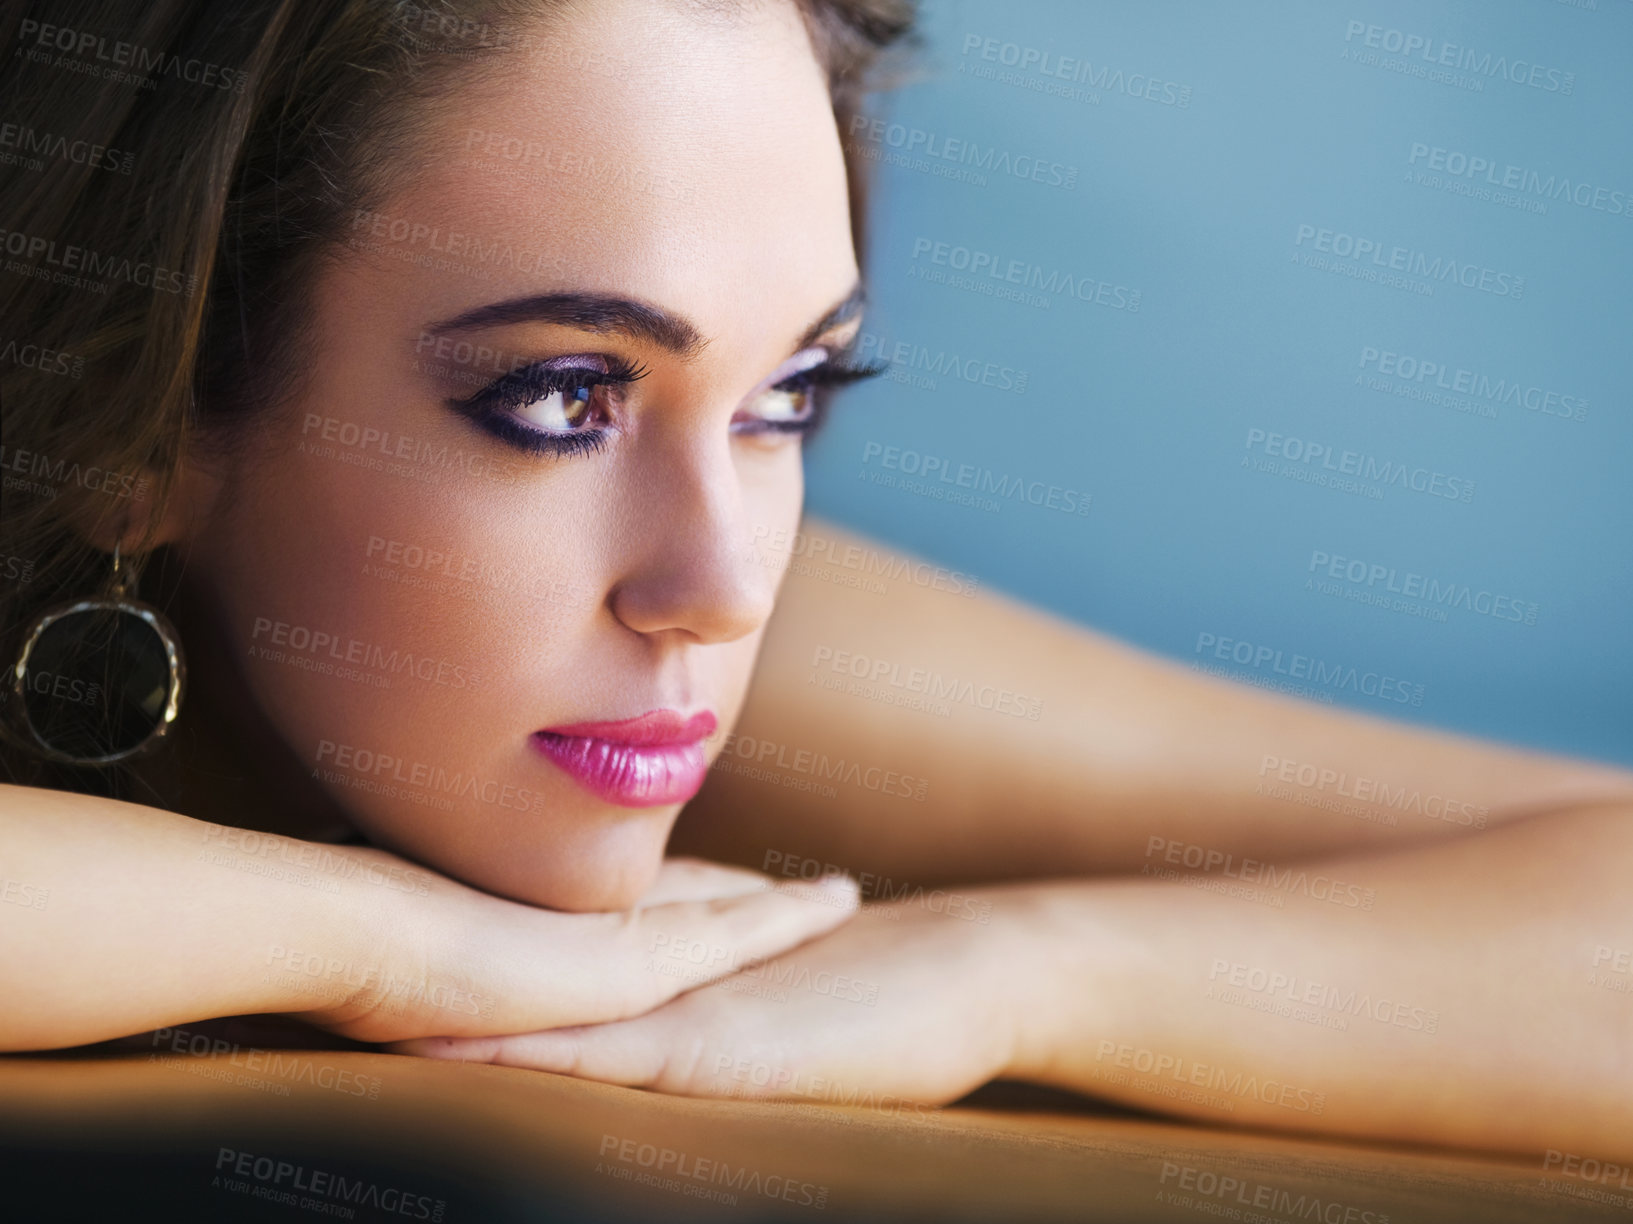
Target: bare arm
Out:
[125,918]
[1472,993]
[1483,1000]
[1130,759]
[117,918]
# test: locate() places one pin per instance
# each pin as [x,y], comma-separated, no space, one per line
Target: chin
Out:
[617,888]
[598,866]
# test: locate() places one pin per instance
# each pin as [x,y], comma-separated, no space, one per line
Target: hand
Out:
[459,961]
[900,1002]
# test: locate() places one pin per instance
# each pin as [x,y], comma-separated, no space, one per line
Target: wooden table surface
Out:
[295,1135]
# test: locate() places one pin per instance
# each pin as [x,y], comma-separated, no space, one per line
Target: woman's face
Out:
[472,525]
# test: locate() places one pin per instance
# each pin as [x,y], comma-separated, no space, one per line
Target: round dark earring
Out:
[97,680]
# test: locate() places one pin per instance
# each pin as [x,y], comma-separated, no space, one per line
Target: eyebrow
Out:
[843,311]
[596,312]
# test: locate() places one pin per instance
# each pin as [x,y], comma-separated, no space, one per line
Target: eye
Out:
[795,403]
[561,407]
[550,407]
[791,401]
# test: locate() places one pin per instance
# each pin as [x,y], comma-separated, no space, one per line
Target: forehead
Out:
[676,155]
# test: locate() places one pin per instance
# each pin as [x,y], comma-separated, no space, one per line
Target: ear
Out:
[104,520]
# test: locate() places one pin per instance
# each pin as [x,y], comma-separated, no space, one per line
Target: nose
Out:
[686,566]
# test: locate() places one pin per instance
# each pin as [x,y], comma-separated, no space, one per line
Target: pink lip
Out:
[636,762]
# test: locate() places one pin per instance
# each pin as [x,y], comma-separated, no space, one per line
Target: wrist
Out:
[343,917]
[400,944]
[1068,960]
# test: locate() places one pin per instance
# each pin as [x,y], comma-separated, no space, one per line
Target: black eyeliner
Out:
[822,380]
[835,374]
[492,408]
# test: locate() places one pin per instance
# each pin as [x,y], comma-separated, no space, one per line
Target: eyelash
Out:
[493,407]
[821,381]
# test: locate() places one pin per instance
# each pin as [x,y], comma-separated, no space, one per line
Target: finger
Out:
[633,1053]
[454,1049]
[670,949]
[694,879]
[615,966]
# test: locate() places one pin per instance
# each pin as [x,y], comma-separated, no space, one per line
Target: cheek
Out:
[775,497]
[402,636]
[383,608]
[773,491]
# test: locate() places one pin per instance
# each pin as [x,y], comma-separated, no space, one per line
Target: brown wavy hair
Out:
[198,160]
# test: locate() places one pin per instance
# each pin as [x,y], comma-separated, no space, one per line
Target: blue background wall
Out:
[1204,151]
